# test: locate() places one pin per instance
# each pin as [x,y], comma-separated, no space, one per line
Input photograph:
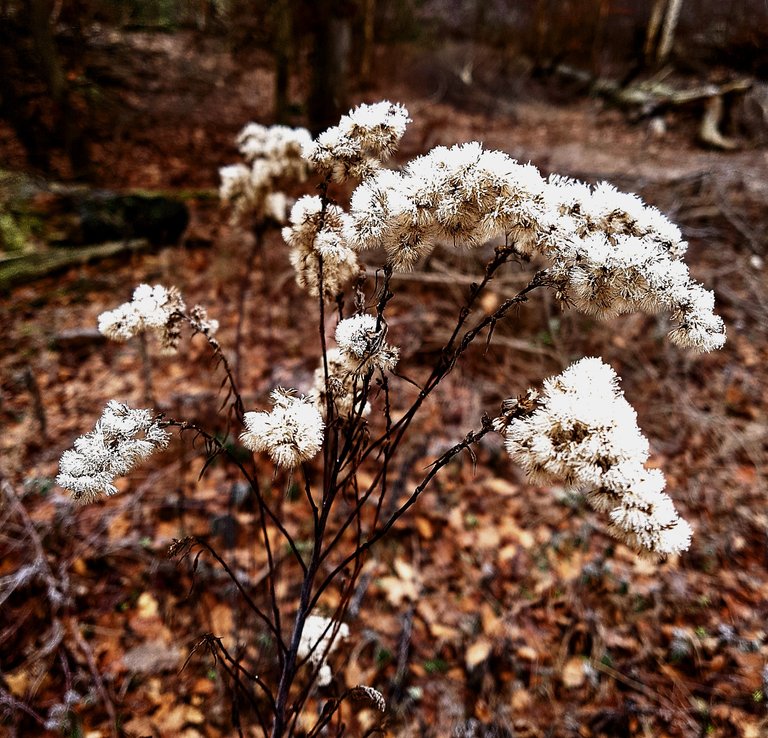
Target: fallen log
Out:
[649,96]
[17,270]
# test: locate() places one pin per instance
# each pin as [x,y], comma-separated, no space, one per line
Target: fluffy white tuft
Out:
[356,146]
[362,343]
[581,431]
[122,438]
[291,433]
[318,640]
[157,310]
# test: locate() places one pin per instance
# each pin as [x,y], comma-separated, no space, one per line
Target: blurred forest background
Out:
[499,609]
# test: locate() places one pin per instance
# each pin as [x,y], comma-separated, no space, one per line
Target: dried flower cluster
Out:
[122,438]
[273,155]
[463,194]
[362,342]
[368,696]
[318,639]
[315,236]
[290,434]
[200,322]
[581,431]
[364,138]
[608,251]
[362,349]
[153,309]
[620,255]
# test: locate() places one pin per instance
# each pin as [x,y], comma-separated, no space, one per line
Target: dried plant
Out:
[602,251]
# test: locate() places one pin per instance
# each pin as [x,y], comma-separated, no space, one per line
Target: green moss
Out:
[11,236]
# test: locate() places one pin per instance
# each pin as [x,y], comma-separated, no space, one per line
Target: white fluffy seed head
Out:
[122,438]
[344,386]
[364,138]
[273,157]
[319,638]
[608,252]
[581,431]
[291,433]
[362,343]
[616,255]
[154,309]
[317,239]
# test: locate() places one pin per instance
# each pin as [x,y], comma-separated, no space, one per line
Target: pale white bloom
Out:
[318,640]
[464,194]
[276,143]
[476,194]
[609,253]
[291,433]
[384,213]
[273,155]
[121,324]
[356,146]
[198,316]
[122,438]
[608,276]
[155,309]
[236,188]
[316,237]
[582,426]
[581,431]
[613,254]
[277,205]
[641,513]
[361,341]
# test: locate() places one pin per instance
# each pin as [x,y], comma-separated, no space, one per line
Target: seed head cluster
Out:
[318,640]
[361,349]
[291,433]
[157,310]
[581,431]
[122,438]
[361,341]
[619,255]
[608,252]
[364,138]
[464,195]
[273,155]
[344,387]
[315,236]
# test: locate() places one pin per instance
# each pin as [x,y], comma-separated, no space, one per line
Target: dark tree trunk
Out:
[367,50]
[52,73]
[332,36]
[283,51]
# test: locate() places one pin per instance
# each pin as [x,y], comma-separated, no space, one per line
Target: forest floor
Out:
[498,608]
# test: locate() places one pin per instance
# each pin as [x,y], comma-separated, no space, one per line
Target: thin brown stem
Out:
[471,438]
[221,448]
[248,599]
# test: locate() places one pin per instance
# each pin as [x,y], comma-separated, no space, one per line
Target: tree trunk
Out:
[52,73]
[283,46]
[660,36]
[367,52]
[330,65]
[652,34]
